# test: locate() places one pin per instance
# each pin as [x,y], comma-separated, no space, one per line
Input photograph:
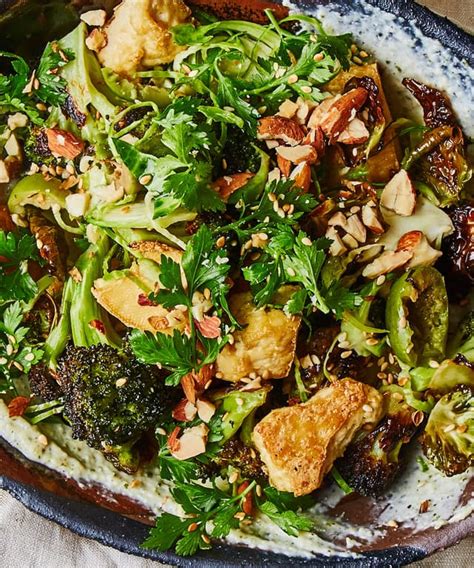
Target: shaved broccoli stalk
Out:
[60,335]
[448,440]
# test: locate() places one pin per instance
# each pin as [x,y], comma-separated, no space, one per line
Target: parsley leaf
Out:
[15,252]
[339,298]
[17,354]
[289,521]
[52,87]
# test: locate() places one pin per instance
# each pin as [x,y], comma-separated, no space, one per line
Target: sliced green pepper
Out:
[417,316]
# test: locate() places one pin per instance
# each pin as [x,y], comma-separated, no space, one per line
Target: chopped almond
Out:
[350,241]
[284,165]
[302,176]
[355,133]
[417,243]
[226,185]
[94,17]
[315,137]
[192,443]
[341,112]
[320,111]
[280,128]
[77,204]
[64,144]
[338,220]
[189,387]
[337,247]
[96,40]
[184,411]
[370,220]
[355,228]
[4,175]
[387,262]
[399,195]
[288,109]
[209,327]
[298,154]
[205,409]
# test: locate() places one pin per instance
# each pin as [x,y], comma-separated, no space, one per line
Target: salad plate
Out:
[236,258]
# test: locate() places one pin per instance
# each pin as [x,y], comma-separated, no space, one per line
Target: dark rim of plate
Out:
[124,534]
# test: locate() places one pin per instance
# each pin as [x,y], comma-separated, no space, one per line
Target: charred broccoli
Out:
[448,440]
[239,153]
[371,464]
[111,400]
[238,455]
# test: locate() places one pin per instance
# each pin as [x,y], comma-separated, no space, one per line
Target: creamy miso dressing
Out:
[403,51]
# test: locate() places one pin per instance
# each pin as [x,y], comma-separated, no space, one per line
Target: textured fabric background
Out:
[28,541]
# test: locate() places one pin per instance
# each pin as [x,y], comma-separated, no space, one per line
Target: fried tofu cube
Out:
[265,346]
[300,443]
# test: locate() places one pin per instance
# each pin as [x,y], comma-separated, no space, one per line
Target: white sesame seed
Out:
[372,341]
[434,364]
[316,360]
[380,280]
[306,241]
[120,382]
[292,79]
[3,360]
[161,431]
[29,357]
[233,477]
[42,440]
[290,271]
[306,89]
[346,354]
[449,428]
[318,57]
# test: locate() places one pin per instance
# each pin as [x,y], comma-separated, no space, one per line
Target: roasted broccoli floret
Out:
[371,464]
[43,384]
[36,148]
[239,153]
[111,400]
[448,440]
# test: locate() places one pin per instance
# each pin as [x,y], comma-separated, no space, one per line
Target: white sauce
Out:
[403,51]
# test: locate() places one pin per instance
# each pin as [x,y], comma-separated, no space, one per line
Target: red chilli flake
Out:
[98,325]
[247,503]
[210,327]
[144,300]
[18,406]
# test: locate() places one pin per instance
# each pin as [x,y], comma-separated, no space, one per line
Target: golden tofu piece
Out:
[266,345]
[300,443]
[138,36]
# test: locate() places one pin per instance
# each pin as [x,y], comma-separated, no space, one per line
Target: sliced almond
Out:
[205,409]
[298,154]
[226,185]
[417,243]
[337,247]
[355,133]
[274,175]
[94,17]
[302,176]
[280,128]
[192,443]
[320,111]
[355,227]
[284,165]
[288,109]
[63,143]
[399,195]
[338,220]
[4,175]
[386,262]
[371,221]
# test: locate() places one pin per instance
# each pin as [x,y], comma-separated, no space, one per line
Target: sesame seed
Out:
[449,428]
[161,431]
[233,477]
[316,360]
[342,336]
[231,339]
[281,213]
[306,89]
[258,490]
[346,354]
[263,236]
[290,271]
[380,280]
[372,341]
[3,360]
[120,382]
[384,366]
[42,440]
[363,53]
[220,242]
[292,79]
[239,516]
[389,378]
[403,322]
[343,344]
[29,357]
[318,57]
[434,364]
[9,349]
[306,241]
[206,539]
[357,60]
[146,179]
[192,527]
[381,376]
[391,358]
[354,48]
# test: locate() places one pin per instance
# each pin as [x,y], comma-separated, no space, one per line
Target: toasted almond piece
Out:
[280,128]
[184,411]
[288,109]
[298,154]
[320,111]
[399,195]
[350,241]
[205,409]
[12,148]
[94,17]
[341,112]
[355,228]
[337,247]
[64,144]
[284,165]
[315,137]
[274,175]
[17,120]
[96,40]
[209,327]
[272,144]
[192,442]
[338,220]
[226,185]
[302,176]
[77,204]
[4,175]
[355,133]
[371,221]
[417,243]
[386,262]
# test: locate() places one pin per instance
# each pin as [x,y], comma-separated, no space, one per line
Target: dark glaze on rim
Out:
[120,522]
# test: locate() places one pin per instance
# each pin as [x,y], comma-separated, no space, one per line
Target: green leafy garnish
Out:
[16,249]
